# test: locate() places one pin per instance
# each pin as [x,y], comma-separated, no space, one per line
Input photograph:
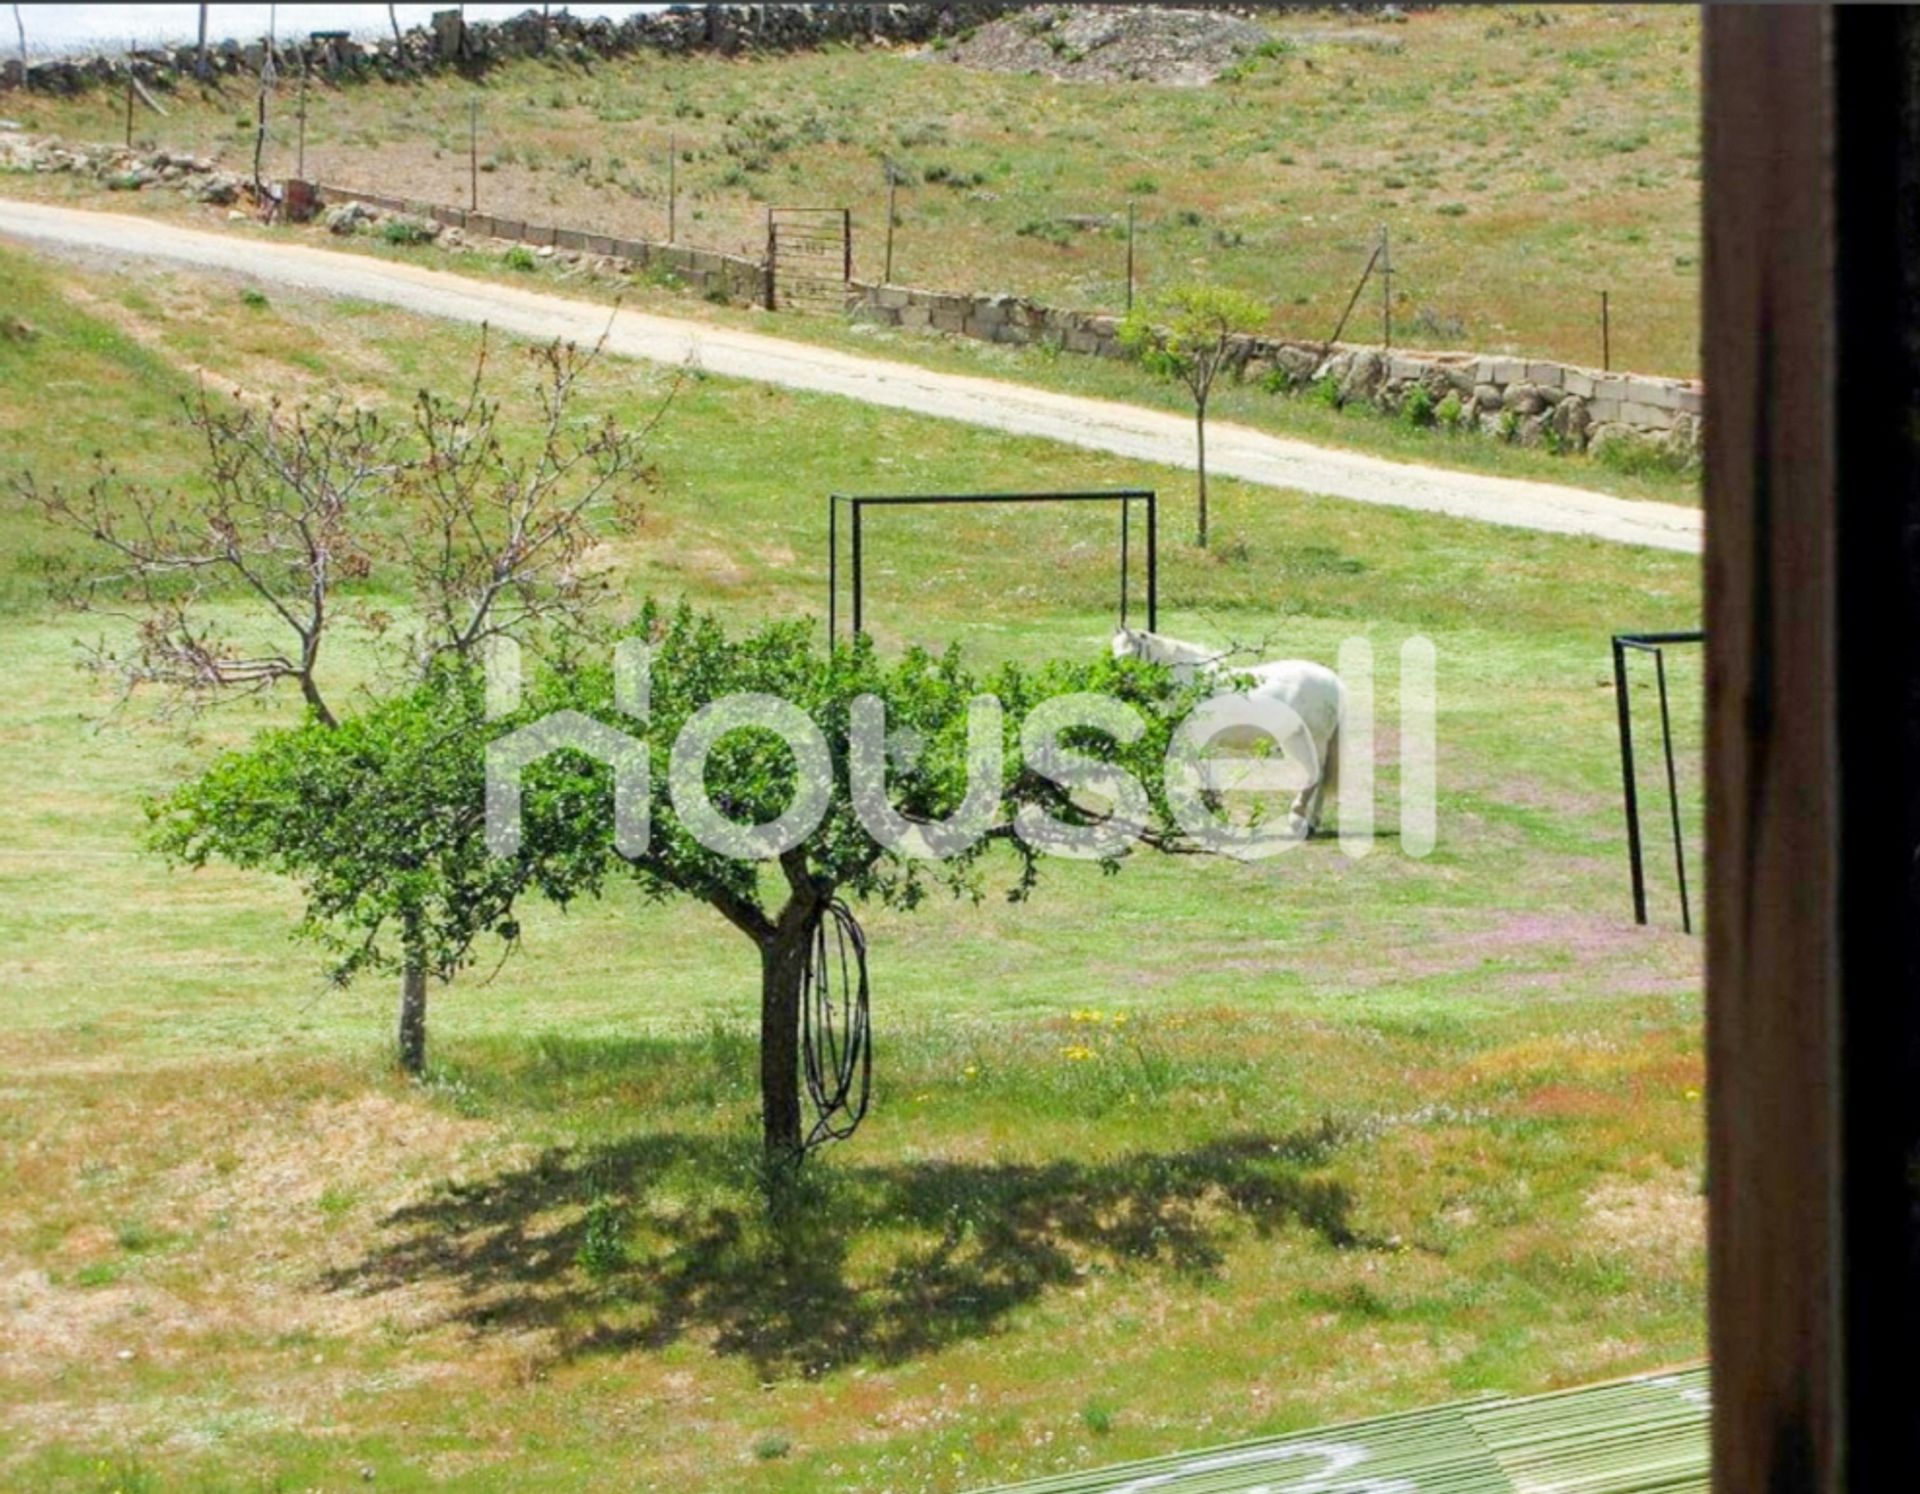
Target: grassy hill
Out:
[1164,1159]
[1524,159]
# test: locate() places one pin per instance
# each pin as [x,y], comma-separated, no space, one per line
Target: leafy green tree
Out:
[1189,334]
[414,769]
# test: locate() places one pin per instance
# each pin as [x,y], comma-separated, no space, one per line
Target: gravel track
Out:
[1102,425]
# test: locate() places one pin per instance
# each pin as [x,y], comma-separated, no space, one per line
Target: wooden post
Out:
[200,63]
[1129,256]
[886,277]
[1606,334]
[20,30]
[129,103]
[473,155]
[773,249]
[673,187]
[1811,290]
[300,150]
[1386,289]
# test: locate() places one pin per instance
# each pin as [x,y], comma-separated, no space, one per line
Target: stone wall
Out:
[447,42]
[1527,400]
[706,272]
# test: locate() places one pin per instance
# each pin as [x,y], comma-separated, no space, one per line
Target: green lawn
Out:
[1199,1151]
[1524,160]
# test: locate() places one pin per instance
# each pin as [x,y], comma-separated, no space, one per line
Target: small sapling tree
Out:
[1189,334]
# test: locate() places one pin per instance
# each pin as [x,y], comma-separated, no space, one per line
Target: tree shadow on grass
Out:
[664,1237]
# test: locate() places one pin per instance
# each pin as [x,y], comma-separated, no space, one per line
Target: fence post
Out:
[673,186]
[300,150]
[772,249]
[1606,335]
[473,155]
[1386,288]
[886,277]
[1129,256]
[846,245]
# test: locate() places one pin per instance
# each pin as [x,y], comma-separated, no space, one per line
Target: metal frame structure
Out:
[857,506]
[812,238]
[1654,644]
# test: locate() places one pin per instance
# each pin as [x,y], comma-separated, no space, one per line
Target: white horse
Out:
[1311,692]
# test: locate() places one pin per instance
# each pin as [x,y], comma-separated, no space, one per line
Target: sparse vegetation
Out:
[1233,1147]
[1507,237]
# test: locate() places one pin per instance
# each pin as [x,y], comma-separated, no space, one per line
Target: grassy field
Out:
[1524,159]
[1198,1151]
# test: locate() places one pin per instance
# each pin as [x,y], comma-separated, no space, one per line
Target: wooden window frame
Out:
[1812,170]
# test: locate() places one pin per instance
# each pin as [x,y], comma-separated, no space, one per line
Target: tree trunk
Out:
[782,965]
[413,1018]
[1200,447]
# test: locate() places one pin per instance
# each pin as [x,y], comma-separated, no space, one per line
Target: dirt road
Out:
[1102,425]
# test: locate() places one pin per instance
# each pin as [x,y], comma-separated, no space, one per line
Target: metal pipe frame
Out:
[856,506]
[1654,644]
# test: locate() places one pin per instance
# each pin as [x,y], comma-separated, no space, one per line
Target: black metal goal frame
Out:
[1655,644]
[858,505]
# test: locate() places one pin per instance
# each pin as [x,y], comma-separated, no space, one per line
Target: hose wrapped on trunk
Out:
[836,1033]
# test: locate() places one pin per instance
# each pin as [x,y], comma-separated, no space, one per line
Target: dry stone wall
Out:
[448,42]
[1527,400]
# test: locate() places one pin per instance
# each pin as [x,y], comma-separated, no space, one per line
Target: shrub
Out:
[253,299]
[405,231]
[1451,412]
[1326,389]
[520,257]
[1509,425]
[603,1244]
[1142,186]
[1417,408]
[771,1447]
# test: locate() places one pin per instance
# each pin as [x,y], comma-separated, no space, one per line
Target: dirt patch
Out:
[1111,44]
[1660,1219]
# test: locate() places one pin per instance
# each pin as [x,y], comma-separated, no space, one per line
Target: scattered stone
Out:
[347,218]
[1110,44]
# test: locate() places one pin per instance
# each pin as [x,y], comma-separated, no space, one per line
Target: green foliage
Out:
[405,232]
[751,774]
[520,257]
[1416,408]
[603,1237]
[380,819]
[1450,412]
[1187,333]
[1326,389]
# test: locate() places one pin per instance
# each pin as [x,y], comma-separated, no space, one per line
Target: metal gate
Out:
[809,259]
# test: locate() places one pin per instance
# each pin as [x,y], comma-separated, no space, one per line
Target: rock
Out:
[347,217]
[1523,399]
[1364,376]
[1570,421]
[218,188]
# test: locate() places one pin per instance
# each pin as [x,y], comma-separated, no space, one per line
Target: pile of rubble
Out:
[124,169]
[1111,44]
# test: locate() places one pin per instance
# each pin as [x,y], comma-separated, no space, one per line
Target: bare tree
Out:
[486,531]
